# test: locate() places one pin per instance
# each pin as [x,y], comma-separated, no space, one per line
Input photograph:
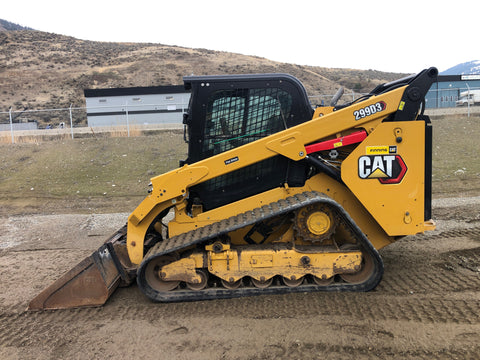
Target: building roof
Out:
[150,90]
[446,78]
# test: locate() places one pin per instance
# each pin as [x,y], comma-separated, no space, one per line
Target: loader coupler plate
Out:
[89,283]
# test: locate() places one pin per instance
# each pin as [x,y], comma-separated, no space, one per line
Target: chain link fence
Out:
[72,121]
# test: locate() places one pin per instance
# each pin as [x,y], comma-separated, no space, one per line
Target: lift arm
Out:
[172,187]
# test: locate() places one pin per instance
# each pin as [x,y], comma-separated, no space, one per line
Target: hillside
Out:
[466,68]
[43,70]
[8,26]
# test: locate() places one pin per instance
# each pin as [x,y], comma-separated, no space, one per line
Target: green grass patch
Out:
[111,174]
[86,169]
[456,155]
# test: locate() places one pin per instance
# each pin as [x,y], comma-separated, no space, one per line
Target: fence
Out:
[74,120]
[24,120]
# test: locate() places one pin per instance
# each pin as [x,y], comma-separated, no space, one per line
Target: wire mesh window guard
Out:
[237,117]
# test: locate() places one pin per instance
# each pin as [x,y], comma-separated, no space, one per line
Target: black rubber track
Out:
[204,234]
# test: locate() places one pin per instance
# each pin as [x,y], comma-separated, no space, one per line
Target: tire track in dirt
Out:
[308,350]
[402,296]
[473,233]
[453,271]
[28,328]
[431,286]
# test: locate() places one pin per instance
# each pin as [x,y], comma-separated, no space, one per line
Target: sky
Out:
[396,36]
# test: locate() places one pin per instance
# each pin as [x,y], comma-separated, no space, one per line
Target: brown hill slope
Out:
[8,26]
[43,70]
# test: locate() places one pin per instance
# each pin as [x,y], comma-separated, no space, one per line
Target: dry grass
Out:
[31,139]
[456,167]
[105,173]
[5,138]
[132,131]
[101,174]
[116,131]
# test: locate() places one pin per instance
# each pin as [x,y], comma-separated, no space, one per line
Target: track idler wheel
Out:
[153,277]
[366,270]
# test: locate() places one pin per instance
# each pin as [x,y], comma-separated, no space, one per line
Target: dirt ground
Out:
[427,305]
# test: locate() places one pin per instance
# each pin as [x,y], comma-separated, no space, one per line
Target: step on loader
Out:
[274,196]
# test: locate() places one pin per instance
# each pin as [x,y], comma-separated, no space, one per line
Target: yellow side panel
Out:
[398,203]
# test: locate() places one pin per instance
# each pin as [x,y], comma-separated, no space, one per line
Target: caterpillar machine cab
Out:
[274,197]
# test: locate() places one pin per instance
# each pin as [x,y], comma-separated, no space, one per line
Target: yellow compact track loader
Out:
[274,196]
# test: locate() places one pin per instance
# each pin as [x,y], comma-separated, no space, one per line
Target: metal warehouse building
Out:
[136,105]
[447,89]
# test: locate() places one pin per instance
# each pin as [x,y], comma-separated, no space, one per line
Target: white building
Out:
[30,125]
[136,105]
